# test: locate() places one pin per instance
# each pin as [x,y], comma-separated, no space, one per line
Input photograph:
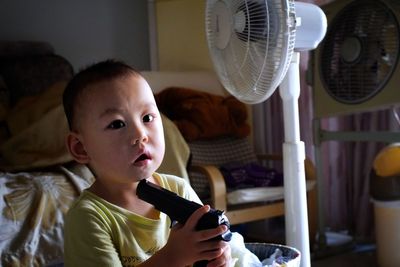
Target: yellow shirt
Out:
[98,233]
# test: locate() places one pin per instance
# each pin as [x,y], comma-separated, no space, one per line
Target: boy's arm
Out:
[87,242]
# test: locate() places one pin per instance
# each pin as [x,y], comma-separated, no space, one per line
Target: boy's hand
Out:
[186,245]
[224,260]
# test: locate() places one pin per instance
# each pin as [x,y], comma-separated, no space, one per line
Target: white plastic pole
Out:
[296,220]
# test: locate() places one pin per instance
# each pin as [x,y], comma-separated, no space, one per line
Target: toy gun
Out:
[179,209]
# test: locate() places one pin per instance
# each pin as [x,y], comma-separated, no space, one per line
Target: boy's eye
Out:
[148,118]
[116,124]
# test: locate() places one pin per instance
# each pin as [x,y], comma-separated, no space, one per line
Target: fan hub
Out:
[350,49]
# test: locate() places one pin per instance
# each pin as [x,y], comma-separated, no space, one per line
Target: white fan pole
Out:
[296,220]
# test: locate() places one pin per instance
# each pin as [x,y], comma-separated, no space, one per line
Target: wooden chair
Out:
[209,183]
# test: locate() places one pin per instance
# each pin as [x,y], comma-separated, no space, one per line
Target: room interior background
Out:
[87,31]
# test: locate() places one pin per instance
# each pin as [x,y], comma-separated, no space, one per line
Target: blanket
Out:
[200,115]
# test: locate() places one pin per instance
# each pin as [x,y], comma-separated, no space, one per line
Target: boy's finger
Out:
[213,232]
[194,218]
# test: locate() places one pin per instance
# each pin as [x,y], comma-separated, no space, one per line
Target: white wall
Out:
[83,31]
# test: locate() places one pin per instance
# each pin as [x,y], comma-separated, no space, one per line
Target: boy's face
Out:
[120,130]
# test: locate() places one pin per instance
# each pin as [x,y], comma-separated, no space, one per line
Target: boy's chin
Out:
[145,175]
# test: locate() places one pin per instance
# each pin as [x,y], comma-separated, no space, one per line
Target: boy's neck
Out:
[126,198]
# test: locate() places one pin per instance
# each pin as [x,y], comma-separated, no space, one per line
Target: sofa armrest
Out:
[217,184]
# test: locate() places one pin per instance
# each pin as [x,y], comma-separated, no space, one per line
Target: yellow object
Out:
[387,162]
[177,151]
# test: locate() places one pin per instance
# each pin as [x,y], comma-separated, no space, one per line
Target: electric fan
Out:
[254,47]
[356,67]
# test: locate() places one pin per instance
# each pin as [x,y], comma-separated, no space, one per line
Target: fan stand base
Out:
[334,244]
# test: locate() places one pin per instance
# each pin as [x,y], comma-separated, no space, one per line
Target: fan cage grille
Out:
[256,59]
[374,26]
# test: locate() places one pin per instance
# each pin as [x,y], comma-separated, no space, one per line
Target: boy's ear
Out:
[76,148]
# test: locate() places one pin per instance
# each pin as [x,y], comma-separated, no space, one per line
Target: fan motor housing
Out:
[355,69]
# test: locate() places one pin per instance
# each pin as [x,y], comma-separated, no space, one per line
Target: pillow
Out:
[387,162]
[38,129]
[177,151]
[30,109]
[41,144]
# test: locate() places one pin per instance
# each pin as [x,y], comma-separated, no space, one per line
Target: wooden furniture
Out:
[208,156]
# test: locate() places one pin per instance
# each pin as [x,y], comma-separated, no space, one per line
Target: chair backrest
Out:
[217,152]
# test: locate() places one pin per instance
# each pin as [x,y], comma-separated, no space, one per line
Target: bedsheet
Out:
[33,206]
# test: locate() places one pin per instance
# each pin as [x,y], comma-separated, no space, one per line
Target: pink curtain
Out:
[346,169]
[346,165]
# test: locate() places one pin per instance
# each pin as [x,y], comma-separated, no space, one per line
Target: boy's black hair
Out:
[102,71]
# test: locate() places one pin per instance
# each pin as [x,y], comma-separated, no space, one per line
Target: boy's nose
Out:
[139,137]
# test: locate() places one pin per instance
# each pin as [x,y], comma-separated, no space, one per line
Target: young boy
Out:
[116,129]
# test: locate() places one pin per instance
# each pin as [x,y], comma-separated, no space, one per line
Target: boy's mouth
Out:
[142,157]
